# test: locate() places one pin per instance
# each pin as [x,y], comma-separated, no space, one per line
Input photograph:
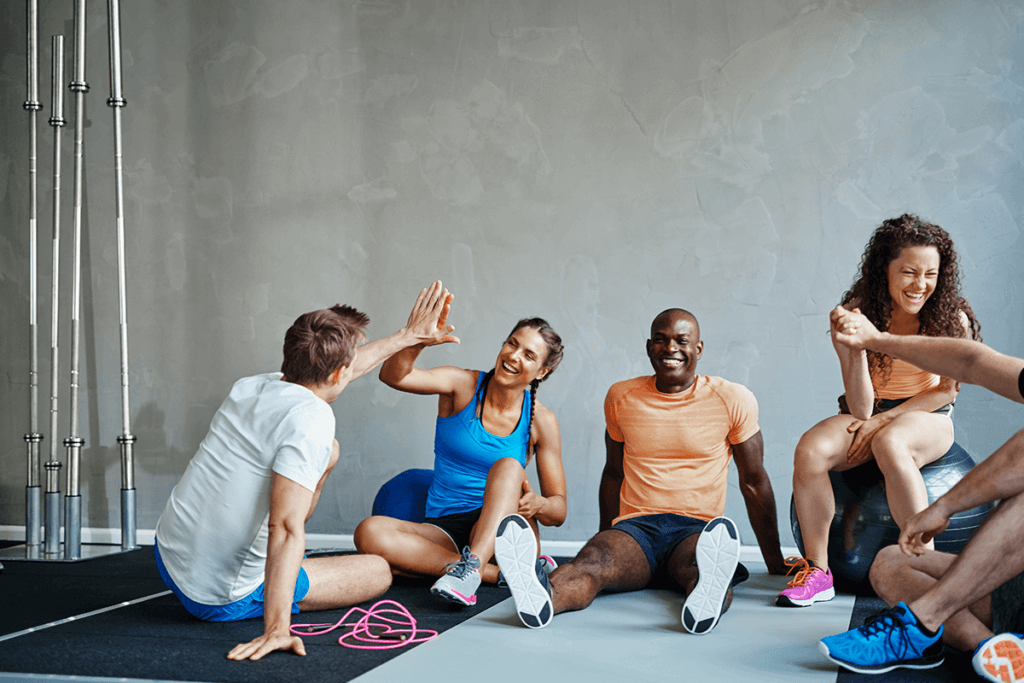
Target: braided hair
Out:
[554,357]
[940,315]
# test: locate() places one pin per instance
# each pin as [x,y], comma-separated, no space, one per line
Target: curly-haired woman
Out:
[891,411]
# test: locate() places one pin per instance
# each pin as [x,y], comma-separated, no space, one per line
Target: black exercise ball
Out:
[863,525]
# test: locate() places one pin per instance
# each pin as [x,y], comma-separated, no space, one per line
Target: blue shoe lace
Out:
[463,566]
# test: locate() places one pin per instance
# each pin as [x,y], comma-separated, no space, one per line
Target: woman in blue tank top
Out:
[489,426]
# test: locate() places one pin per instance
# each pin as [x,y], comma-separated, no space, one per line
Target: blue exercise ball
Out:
[863,525]
[404,496]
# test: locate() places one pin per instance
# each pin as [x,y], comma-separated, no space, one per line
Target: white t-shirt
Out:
[213,531]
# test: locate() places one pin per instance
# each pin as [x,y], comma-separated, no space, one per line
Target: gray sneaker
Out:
[460,580]
[515,548]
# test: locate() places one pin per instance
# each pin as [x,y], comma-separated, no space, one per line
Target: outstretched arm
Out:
[548,508]
[289,503]
[427,325]
[963,360]
[611,482]
[997,477]
[760,499]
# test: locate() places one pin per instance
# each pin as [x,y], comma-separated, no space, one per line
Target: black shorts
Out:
[1008,606]
[658,535]
[884,404]
[458,526]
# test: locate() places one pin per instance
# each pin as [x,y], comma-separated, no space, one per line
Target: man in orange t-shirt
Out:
[669,439]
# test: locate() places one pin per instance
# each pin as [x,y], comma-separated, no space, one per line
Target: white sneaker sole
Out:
[1001,659]
[515,548]
[820,596]
[718,553]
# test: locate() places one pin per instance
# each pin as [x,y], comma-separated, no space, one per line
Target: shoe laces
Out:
[888,622]
[464,566]
[804,570]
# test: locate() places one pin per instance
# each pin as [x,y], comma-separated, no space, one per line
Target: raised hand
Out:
[428,321]
[852,328]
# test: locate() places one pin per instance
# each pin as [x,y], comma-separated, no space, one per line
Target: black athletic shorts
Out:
[458,526]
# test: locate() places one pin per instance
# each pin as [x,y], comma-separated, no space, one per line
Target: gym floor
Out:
[113,618]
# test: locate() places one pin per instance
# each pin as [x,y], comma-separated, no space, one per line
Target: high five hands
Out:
[428,321]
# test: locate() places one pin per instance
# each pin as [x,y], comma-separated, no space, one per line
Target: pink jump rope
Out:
[367,634]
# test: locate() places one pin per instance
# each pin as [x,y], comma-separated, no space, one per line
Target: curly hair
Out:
[940,315]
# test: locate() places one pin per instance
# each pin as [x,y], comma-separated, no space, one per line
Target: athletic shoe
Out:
[1000,659]
[515,548]
[887,641]
[460,580]
[547,562]
[810,585]
[718,553]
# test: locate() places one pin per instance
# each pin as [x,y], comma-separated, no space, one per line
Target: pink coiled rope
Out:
[362,635]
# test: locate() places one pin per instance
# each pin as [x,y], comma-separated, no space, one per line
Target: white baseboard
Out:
[748,553]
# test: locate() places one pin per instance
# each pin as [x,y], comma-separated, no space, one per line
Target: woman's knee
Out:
[371,535]
[811,457]
[506,468]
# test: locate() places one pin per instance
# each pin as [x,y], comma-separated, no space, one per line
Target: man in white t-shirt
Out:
[231,538]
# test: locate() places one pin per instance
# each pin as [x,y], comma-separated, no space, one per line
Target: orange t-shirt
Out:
[677,446]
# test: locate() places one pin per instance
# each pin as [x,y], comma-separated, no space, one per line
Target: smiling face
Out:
[521,359]
[913,275]
[674,349]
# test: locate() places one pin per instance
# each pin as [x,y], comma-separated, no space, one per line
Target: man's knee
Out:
[886,571]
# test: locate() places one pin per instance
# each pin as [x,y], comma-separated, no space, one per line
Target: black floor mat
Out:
[157,639]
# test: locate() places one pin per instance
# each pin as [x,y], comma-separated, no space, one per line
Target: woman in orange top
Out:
[892,411]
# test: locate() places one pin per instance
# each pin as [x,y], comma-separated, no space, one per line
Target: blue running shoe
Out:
[515,549]
[889,640]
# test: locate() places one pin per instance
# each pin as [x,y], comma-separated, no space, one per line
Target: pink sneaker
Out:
[810,585]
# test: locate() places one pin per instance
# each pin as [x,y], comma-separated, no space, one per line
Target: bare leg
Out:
[898,578]
[344,580]
[612,561]
[992,557]
[901,449]
[821,449]
[501,498]
[411,549]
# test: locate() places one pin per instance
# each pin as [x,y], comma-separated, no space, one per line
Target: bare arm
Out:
[549,508]
[998,477]
[963,360]
[427,325]
[289,503]
[759,496]
[611,481]
[860,394]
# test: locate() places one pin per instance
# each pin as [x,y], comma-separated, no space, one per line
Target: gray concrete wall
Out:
[591,162]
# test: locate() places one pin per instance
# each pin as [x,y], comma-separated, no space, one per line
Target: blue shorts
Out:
[249,607]
[658,535]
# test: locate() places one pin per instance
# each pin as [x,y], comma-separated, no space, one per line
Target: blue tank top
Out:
[464,452]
